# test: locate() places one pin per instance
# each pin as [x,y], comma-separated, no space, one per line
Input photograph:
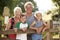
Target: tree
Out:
[13,3]
[4,3]
[22,2]
[58,3]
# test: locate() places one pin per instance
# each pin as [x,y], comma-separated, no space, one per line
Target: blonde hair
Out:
[17,8]
[37,13]
[28,3]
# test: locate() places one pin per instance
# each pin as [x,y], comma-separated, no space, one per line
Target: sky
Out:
[44,5]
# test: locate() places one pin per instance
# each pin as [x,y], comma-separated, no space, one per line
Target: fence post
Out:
[49,35]
[59,31]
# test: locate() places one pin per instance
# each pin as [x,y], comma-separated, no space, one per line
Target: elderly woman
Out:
[12,22]
[30,16]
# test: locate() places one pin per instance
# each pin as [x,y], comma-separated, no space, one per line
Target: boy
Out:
[23,26]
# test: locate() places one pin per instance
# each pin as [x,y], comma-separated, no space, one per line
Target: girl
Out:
[38,26]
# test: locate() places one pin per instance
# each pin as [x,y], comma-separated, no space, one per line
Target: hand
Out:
[37,30]
[24,29]
[15,29]
[44,29]
[6,29]
[40,30]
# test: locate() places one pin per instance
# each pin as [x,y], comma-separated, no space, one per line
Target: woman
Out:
[12,22]
[30,15]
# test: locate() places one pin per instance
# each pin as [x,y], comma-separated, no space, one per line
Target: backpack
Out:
[12,23]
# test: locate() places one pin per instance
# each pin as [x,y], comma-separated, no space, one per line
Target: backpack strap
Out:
[12,23]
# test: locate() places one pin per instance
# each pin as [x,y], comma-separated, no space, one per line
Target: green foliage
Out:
[22,2]
[4,3]
[57,1]
[2,20]
[57,16]
[55,34]
[13,3]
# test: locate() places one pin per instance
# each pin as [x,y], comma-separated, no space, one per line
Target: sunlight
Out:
[44,5]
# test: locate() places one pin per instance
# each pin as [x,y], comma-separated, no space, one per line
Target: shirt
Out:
[20,25]
[30,19]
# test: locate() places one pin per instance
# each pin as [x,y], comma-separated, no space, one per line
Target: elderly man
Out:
[12,22]
[30,16]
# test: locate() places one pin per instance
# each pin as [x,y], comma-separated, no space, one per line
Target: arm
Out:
[32,26]
[44,27]
[41,29]
[16,27]
[26,27]
[8,25]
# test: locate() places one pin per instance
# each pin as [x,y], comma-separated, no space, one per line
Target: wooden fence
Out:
[48,36]
[54,27]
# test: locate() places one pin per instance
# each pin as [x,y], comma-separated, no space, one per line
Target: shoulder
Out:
[18,22]
[10,19]
[34,22]
[26,24]
[42,21]
[33,13]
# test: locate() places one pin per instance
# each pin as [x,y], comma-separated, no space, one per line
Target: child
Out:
[38,26]
[23,26]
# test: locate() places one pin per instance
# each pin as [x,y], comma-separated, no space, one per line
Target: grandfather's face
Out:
[17,13]
[29,8]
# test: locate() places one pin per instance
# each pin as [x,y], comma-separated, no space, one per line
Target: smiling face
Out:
[23,19]
[17,13]
[38,16]
[28,8]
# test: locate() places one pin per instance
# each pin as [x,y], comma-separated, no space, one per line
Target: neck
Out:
[23,22]
[29,14]
[39,20]
[17,18]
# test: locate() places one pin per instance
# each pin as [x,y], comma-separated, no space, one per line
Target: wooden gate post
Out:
[49,35]
[59,31]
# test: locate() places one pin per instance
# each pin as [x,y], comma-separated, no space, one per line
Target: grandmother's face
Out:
[17,13]
[29,8]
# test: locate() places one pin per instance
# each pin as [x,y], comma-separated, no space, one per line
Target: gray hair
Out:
[37,13]
[17,8]
[28,3]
